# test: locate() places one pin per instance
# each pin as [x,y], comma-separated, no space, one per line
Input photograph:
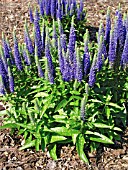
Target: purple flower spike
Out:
[72,40]
[60,27]
[78,14]
[59,10]
[41,5]
[37,15]
[63,42]
[112,49]
[100,32]
[48,7]
[55,43]
[2,91]
[40,71]
[38,64]
[86,63]
[99,61]
[64,4]
[38,38]
[126,22]
[79,72]
[67,8]
[43,35]
[120,31]
[74,65]
[86,56]
[108,28]
[10,52]
[26,57]
[53,8]
[61,56]
[6,50]
[72,10]
[11,80]
[3,73]
[48,56]
[17,56]
[92,77]
[29,45]
[92,73]
[66,72]
[74,3]
[81,6]
[86,50]
[4,59]
[28,40]
[31,15]
[83,109]
[124,58]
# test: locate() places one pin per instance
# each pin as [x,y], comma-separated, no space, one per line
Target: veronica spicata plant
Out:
[61,92]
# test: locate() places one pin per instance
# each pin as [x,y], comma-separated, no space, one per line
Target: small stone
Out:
[14,158]
[125,158]
[48,155]
[51,165]
[19,168]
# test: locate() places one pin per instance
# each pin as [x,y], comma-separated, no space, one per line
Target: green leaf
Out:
[117,129]
[108,98]
[3,112]
[74,97]
[57,138]
[37,144]
[103,137]
[97,139]
[27,126]
[75,103]
[63,131]
[75,92]
[80,147]
[95,101]
[57,117]
[52,151]
[25,134]
[115,105]
[41,94]
[28,145]
[37,89]
[43,146]
[45,141]
[60,119]
[107,111]
[74,137]
[46,106]
[102,125]
[29,139]
[9,125]
[62,104]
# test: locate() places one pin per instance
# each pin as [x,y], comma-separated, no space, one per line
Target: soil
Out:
[13,13]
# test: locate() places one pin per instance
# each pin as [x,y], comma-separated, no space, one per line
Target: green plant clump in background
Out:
[61,87]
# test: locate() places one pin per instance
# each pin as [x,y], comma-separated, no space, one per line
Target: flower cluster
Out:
[51,49]
[60,8]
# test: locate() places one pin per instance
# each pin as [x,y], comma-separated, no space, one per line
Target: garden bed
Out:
[106,158]
[11,158]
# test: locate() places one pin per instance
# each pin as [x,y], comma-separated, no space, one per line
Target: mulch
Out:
[106,158]
[13,13]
